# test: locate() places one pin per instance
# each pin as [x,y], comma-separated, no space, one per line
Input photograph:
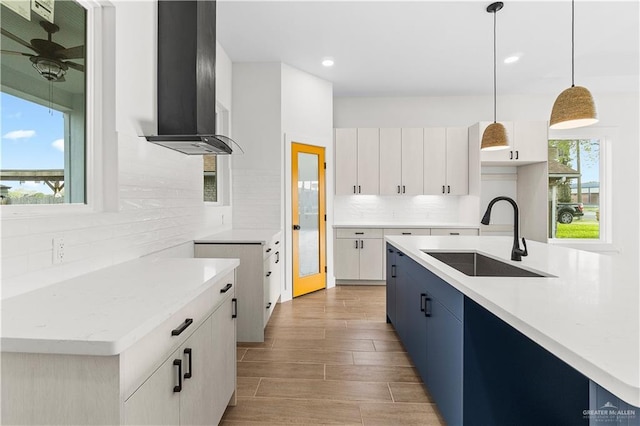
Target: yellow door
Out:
[308,216]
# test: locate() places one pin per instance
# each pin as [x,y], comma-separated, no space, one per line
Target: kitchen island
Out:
[148,341]
[582,318]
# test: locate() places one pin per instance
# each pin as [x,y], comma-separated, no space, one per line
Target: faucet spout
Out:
[516,251]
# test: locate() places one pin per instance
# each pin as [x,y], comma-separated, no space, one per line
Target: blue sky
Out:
[32,137]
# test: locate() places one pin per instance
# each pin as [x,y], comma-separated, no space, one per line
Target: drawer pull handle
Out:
[226,288]
[268,305]
[178,363]
[234,313]
[454,233]
[183,327]
[400,253]
[269,273]
[277,242]
[359,233]
[188,352]
[406,233]
[269,249]
[427,306]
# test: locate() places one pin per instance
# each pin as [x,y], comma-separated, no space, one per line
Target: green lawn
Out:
[578,229]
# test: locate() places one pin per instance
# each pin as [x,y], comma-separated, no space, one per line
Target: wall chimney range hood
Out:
[186,78]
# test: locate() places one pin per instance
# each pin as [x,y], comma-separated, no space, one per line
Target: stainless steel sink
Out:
[475,264]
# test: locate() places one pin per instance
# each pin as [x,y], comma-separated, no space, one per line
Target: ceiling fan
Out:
[50,59]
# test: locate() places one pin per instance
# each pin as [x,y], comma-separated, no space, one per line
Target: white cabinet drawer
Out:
[407,231]
[141,359]
[454,231]
[359,233]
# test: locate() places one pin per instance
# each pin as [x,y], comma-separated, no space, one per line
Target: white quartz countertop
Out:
[106,311]
[404,225]
[240,236]
[586,315]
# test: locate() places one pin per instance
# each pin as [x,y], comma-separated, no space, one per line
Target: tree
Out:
[575,153]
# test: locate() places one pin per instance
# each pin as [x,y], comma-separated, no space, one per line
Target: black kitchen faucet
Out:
[516,252]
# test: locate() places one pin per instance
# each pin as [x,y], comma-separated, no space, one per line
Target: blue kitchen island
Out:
[559,348]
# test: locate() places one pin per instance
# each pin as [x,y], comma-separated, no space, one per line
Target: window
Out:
[576,188]
[213,166]
[43,118]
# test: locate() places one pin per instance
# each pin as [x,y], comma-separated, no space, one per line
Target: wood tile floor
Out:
[330,358]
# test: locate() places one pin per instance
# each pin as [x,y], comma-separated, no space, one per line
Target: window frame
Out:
[223,124]
[605,136]
[100,159]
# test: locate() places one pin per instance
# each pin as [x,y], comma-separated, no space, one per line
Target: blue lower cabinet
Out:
[478,369]
[391,283]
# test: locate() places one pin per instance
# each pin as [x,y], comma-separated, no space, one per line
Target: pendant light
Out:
[495,135]
[574,107]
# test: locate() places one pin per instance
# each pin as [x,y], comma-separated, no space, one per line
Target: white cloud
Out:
[20,134]
[58,144]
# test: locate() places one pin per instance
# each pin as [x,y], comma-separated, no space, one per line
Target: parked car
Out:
[565,212]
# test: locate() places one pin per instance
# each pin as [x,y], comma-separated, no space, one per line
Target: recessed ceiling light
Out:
[327,62]
[512,59]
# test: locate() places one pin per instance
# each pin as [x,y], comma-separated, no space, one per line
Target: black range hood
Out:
[187,78]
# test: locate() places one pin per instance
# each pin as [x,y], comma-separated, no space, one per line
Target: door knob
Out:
[296,227]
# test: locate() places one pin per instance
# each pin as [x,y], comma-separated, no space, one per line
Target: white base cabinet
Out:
[359,254]
[165,378]
[259,280]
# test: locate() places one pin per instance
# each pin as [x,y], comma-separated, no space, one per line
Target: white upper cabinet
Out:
[528,141]
[401,168]
[446,161]
[357,161]
[412,167]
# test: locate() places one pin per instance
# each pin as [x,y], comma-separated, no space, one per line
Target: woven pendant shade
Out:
[573,108]
[494,138]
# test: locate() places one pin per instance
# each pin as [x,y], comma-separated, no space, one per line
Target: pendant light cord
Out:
[495,114]
[572,42]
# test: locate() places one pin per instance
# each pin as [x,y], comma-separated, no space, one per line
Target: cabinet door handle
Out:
[398,189]
[448,189]
[361,244]
[393,271]
[356,244]
[423,296]
[183,327]
[269,273]
[443,189]
[517,155]
[359,190]
[277,257]
[510,155]
[226,288]
[234,311]
[188,352]
[427,306]
[178,363]
[268,305]
[403,189]
[354,189]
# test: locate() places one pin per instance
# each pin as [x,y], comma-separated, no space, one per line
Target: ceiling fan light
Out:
[494,138]
[50,70]
[573,108]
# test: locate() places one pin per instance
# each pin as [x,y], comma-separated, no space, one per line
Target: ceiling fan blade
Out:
[17,39]
[70,53]
[11,52]
[75,66]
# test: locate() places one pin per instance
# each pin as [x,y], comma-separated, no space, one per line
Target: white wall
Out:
[307,117]
[614,110]
[274,105]
[159,191]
